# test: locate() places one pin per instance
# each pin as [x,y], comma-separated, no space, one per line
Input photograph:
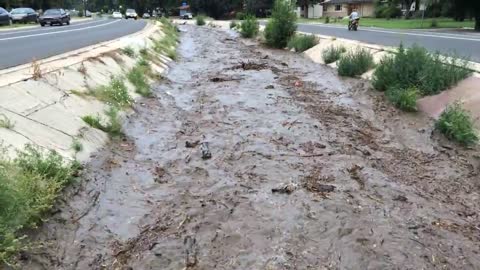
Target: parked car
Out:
[54,16]
[187,16]
[146,15]
[131,13]
[5,18]
[24,15]
[117,15]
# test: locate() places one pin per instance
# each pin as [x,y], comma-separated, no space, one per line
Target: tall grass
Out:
[302,43]
[282,24]
[115,93]
[167,44]
[333,54]
[457,125]
[129,51]
[113,126]
[138,77]
[29,186]
[5,122]
[249,27]
[404,99]
[355,63]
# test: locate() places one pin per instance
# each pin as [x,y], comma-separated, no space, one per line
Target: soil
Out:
[250,158]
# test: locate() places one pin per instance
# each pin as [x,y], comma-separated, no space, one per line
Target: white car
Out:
[131,13]
[187,16]
[117,15]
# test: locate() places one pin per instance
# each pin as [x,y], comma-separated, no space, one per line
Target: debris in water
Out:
[322,188]
[270,86]
[191,144]
[251,66]
[354,173]
[298,84]
[285,189]
[160,175]
[206,154]
[191,251]
[400,198]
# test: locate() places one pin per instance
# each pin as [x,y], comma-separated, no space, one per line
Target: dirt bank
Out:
[307,171]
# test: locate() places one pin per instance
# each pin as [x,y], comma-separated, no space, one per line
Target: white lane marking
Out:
[58,32]
[399,33]
[47,29]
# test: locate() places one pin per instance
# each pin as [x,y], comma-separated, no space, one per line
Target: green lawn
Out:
[400,23]
[16,25]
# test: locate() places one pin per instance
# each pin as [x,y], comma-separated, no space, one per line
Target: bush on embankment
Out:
[29,186]
[282,25]
[457,125]
[302,43]
[249,27]
[415,67]
[355,63]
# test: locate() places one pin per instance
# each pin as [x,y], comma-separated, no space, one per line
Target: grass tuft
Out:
[355,63]
[233,24]
[404,99]
[115,93]
[457,125]
[77,146]
[167,44]
[333,54]
[114,126]
[129,51]
[302,43]
[138,77]
[29,186]
[5,122]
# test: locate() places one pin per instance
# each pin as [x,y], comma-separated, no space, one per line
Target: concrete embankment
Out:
[41,100]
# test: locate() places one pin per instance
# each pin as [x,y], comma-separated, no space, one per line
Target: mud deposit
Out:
[250,158]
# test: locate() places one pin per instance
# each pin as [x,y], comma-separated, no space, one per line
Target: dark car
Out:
[24,15]
[5,17]
[54,16]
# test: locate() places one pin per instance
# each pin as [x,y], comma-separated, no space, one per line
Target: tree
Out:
[462,8]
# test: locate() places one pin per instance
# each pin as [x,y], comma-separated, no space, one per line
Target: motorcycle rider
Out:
[353,17]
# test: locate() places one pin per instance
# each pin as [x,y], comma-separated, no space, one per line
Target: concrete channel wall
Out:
[46,113]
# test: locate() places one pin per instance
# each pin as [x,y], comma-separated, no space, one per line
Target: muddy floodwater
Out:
[251,158]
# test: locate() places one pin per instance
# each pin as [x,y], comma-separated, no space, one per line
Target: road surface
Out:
[22,46]
[464,44]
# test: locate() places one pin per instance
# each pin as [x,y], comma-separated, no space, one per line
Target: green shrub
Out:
[355,63]
[431,74]
[327,20]
[114,126]
[116,93]
[80,12]
[143,52]
[282,25]
[434,23]
[333,54]
[233,24]
[302,43]
[200,20]
[456,124]
[404,99]
[138,77]
[29,186]
[249,27]
[240,16]
[77,146]
[129,51]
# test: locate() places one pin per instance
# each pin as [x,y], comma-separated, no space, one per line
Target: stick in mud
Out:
[206,154]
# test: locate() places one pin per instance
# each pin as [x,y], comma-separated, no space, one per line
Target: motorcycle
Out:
[353,25]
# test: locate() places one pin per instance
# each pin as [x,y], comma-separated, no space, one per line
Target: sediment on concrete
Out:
[46,111]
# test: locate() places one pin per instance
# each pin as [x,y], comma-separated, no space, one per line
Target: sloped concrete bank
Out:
[42,99]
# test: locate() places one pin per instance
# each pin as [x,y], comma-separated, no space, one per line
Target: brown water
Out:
[356,184]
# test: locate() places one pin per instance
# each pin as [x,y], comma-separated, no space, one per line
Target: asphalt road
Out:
[465,44]
[22,46]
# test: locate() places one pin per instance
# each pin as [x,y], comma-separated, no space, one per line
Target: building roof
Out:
[336,2]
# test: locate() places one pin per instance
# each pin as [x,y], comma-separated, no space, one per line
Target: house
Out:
[184,9]
[310,11]
[342,8]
